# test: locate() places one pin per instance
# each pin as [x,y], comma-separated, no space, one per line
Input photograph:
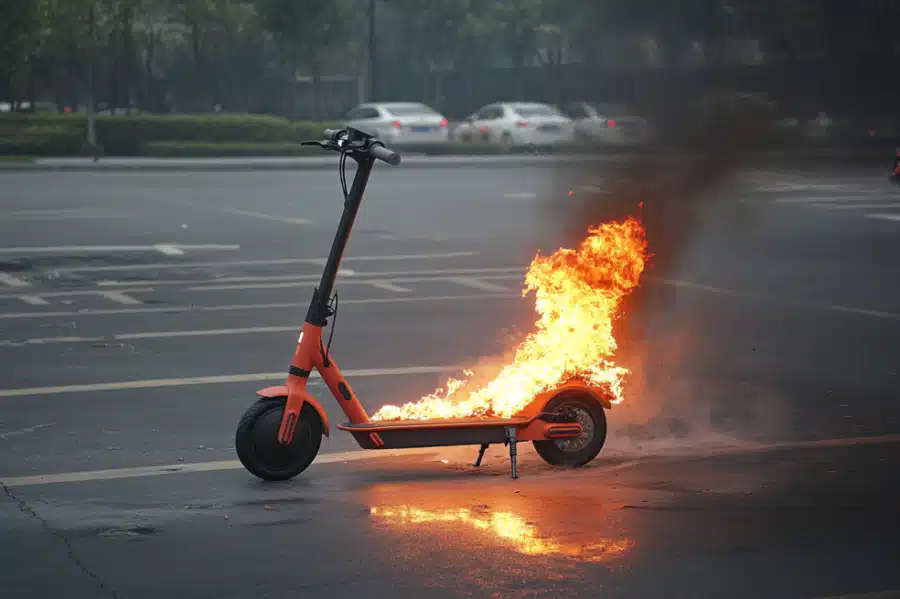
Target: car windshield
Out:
[410,110]
[536,110]
[612,109]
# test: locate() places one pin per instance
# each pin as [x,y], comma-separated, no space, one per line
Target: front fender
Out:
[282,391]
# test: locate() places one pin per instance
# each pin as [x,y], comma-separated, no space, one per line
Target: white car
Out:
[607,124]
[401,124]
[516,125]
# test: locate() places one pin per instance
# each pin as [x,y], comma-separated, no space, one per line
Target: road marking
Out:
[50,217]
[361,454]
[44,294]
[120,298]
[73,249]
[857,206]
[11,281]
[168,249]
[521,195]
[33,300]
[477,284]
[879,216]
[778,300]
[235,307]
[214,380]
[281,261]
[10,343]
[143,471]
[295,283]
[893,594]
[271,217]
[388,286]
[46,212]
[299,277]
[821,199]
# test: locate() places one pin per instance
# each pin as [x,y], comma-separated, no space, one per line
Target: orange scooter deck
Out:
[402,434]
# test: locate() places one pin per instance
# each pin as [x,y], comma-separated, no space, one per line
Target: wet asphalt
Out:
[755,456]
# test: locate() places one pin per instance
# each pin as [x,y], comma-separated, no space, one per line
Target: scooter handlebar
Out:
[332,134]
[380,152]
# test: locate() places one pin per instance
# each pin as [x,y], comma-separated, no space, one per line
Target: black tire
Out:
[256,440]
[570,406]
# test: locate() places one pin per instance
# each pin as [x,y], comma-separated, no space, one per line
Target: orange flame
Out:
[509,528]
[577,296]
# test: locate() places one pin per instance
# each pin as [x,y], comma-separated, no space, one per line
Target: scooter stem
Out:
[318,308]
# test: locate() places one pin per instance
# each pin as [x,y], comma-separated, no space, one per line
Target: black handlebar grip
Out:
[332,134]
[385,155]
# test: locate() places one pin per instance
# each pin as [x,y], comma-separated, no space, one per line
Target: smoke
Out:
[674,186]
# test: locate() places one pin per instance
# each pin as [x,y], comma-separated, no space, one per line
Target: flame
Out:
[509,528]
[577,296]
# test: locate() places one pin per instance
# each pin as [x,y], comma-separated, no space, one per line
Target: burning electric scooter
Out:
[279,436]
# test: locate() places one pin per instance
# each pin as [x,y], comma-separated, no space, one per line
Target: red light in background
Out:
[611,123]
[444,123]
[522,124]
[396,124]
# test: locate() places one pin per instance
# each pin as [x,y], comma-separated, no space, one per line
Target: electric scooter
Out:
[280,434]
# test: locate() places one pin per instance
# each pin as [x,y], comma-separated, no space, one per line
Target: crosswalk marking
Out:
[11,281]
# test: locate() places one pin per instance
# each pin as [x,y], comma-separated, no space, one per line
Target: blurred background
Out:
[497,73]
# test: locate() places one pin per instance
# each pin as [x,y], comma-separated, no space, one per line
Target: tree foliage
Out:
[196,54]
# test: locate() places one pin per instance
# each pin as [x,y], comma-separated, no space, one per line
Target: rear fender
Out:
[282,391]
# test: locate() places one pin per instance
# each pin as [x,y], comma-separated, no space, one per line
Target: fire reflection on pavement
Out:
[490,537]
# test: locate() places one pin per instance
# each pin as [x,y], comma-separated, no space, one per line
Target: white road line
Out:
[388,286]
[277,262]
[780,300]
[299,277]
[823,199]
[359,455]
[46,212]
[51,217]
[858,206]
[520,195]
[295,284]
[143,471]
[168,249]
[259,215]
[11,281]
[477,284]
[120,298]
[891,217]
[236,307]
[44,294]
[33,300]
[71,249]
[214,380]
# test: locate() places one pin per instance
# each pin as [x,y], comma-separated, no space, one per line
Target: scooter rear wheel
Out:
[574,406]
[258,449]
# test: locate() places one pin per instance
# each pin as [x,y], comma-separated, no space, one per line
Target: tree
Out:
[305,32]
[19,29]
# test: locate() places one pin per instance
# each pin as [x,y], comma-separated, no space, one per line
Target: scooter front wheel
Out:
[258,449]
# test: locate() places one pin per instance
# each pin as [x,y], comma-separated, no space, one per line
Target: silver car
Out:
[607,124]
[401,124]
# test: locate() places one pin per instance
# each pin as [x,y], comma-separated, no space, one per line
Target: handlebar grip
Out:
[332,134]
[382,153]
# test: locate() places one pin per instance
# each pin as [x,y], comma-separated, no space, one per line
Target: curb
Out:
[488,161]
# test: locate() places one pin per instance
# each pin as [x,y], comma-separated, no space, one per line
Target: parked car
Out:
[411,125]
[607,124]
[513,125]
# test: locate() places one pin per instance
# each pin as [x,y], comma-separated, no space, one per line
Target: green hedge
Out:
[65,135]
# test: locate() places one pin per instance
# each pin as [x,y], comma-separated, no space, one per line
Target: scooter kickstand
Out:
[481,451]
[511,439]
